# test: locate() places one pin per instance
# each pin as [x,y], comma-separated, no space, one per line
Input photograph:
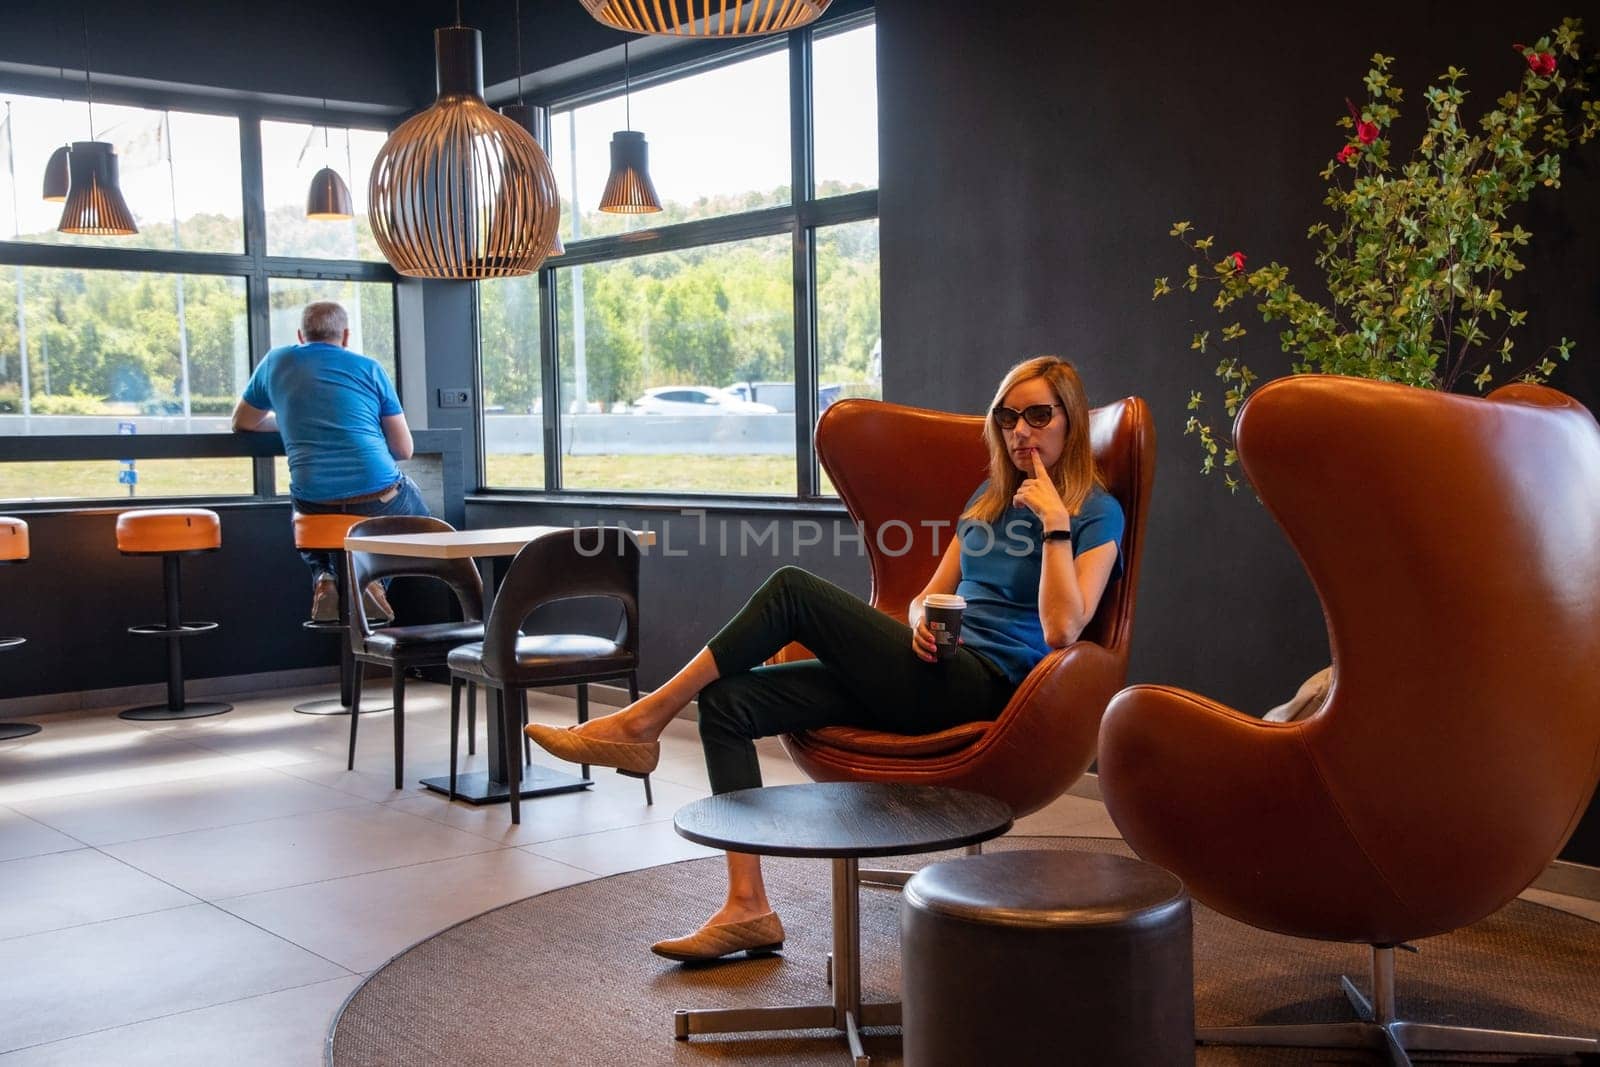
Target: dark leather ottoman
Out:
[1046,958]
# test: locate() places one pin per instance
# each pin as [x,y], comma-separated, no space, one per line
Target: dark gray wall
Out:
[369,51]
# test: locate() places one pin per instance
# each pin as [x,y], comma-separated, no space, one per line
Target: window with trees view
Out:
[94,341]
[676,343]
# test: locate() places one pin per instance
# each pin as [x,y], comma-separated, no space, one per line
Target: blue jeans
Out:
[408,501]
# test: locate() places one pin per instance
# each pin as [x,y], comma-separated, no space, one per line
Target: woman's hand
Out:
[1038,494]
[922,641]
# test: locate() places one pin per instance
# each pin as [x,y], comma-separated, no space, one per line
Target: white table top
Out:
[468,544]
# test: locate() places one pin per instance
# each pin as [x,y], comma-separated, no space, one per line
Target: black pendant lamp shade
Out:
[706,18]
[460,191]
[329,197]
[57,178]
[629,190]
[94,202]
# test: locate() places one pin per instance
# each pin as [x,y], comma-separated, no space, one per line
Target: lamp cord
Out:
[627,102]
[518,17]
[88,86]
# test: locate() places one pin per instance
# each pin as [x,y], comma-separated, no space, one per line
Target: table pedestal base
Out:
[476,787]
[846,1014]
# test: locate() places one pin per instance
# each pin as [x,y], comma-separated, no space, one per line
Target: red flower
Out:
[1349,152]
[1519,48]
[1541,63]
[1238,262]
[1366,132]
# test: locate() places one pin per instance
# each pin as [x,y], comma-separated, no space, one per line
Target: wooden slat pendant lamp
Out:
[629,190]
[94,203]
[460,191]
[706,18]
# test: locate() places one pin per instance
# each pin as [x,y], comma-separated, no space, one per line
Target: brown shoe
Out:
[325,599]
[635,758]
[760,936]
[375,604]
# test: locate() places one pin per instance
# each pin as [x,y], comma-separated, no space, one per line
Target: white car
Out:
[695,400]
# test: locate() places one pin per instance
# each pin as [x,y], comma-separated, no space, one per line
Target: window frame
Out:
[800,219]
[253,265]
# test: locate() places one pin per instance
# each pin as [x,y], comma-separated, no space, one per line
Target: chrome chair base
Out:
[1379,1030]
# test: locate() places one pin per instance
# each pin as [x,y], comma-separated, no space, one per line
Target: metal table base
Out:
[476,787]
[846,1014]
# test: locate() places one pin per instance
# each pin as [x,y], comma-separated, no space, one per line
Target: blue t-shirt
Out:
[329,400]
[1000,566]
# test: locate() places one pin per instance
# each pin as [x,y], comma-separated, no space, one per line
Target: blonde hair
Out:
[1073,473]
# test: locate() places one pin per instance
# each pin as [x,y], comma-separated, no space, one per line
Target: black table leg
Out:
[480,787]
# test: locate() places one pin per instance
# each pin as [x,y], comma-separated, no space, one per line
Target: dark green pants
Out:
[865,674]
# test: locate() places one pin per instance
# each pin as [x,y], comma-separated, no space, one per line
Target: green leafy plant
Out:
[1415,254]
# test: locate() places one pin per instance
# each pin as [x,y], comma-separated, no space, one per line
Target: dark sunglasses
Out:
[1037,415]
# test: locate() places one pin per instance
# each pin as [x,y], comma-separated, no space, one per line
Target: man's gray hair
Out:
[324,320]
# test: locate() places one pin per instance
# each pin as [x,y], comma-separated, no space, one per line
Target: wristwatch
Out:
[1058,535]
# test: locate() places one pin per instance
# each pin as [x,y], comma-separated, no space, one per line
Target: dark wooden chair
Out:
[562,565]
[401,648]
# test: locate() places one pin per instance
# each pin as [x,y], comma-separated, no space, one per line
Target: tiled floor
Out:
[210,891]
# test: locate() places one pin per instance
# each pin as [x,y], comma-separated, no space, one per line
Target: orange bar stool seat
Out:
[171,533]
[326,533]
[14,549]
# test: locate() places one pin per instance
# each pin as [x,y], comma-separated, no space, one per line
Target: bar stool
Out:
[326,533]
[13,550]
[171,533]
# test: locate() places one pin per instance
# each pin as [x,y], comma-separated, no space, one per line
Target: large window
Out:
[509,315]
[104,347]
[96,341]
[291,155]
[179,172]
[679,347]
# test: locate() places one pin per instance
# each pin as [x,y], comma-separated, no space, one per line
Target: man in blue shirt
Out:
[343,429]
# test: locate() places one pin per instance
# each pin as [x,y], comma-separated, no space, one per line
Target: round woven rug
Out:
[566,977]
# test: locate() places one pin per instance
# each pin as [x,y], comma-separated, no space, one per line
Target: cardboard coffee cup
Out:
[942,613]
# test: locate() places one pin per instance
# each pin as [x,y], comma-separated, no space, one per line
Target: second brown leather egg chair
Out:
[900,467]
[1453,543]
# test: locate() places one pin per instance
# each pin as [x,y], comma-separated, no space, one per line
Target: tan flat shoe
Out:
[630,757]
[758,936]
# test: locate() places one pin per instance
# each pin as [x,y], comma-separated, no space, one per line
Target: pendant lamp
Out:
[629,190]
[329,197]
[706,18]
[56,174]
[460,191]
[94,203]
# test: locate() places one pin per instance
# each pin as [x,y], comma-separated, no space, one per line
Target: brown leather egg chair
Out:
[1453,543]
[896,467]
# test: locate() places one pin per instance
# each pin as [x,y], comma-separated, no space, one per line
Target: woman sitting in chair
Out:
[1034,550]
